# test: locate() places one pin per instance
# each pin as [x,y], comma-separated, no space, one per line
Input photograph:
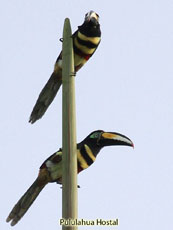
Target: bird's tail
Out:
[46,96]
[24,203]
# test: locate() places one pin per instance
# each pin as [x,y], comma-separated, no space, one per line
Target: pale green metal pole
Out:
[69,179]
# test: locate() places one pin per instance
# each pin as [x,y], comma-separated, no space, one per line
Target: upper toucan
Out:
[85,41]
[51,169]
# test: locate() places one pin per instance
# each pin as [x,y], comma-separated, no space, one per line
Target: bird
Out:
[51,169]
[85,42]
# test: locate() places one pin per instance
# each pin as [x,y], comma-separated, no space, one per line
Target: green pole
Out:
[69,178]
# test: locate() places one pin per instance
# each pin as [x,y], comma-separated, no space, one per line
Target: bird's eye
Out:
[94,135]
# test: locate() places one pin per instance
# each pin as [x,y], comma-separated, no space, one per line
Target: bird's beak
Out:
[111,138]
[92,17]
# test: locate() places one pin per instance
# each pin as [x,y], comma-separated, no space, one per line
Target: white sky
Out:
[126,87]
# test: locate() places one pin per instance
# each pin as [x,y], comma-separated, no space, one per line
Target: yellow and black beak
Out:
[111,138]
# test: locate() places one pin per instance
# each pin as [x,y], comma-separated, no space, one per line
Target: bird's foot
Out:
[78,186]
[73,74]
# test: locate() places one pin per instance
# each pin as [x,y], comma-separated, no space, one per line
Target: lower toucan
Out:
[51,169]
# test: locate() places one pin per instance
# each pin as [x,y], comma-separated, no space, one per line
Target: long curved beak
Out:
[111,138]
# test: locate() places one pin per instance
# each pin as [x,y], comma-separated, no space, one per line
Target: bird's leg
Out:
[78,186]
[73,74]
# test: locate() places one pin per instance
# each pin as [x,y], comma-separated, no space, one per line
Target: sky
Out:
[126,87]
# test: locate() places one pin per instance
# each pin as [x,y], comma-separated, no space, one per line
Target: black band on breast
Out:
[80,53]
[86,43]
[86,156]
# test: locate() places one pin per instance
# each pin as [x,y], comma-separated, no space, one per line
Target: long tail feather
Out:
[46,96]
[24,203]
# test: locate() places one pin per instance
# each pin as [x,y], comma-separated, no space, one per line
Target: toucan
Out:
[85,41]
[51,169]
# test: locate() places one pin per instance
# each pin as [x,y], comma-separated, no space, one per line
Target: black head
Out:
[99,139]
[91,26]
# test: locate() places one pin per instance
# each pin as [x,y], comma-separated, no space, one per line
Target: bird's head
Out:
[99,139]
[91,26]
[92,18]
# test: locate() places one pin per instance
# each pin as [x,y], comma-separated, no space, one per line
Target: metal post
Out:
[69,178]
